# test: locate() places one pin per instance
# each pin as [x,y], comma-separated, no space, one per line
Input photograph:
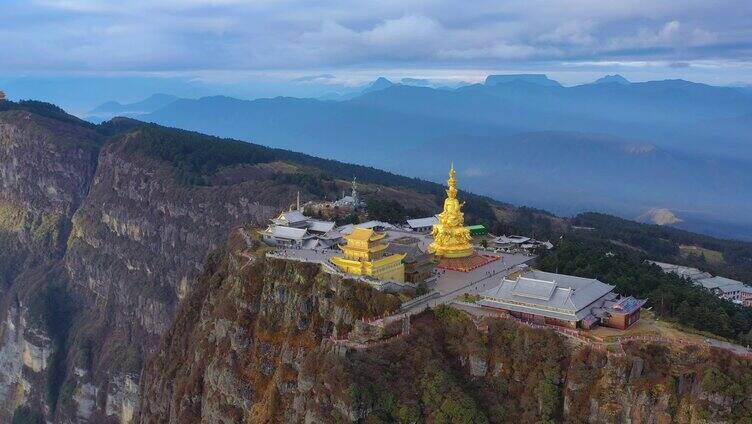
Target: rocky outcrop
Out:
[149,235]
[239,347]
[45,170]
[99,245]
[253,344]
[24,355]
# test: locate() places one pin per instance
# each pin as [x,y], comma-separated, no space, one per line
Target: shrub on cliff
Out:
[26,415]
[362,301]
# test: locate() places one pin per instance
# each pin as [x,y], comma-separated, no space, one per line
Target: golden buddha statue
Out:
[451,239]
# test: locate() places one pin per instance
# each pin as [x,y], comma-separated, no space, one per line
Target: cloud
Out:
[236,35]
[314,78]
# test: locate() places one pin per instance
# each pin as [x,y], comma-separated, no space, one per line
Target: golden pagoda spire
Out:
[452,183]
[451,238]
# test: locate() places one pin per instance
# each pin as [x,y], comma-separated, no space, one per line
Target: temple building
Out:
[365,254]
[451,239]
[293,229]
[563,300]
[351,201]
[419,265]
[725,288]
[422,225]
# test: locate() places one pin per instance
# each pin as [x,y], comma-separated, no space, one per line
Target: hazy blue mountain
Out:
[612,79]
[149,104]
[417,82]
[380,84]
[666,112]
[328,128]
[376,85]
[675,144]
[539,79]
[110,109]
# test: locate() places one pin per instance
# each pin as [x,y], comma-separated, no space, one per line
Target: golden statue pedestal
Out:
[451,239]
[467,263]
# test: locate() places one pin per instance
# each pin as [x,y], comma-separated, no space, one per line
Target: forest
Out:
[196,157]
[43,109]
[671,297]
[663,243]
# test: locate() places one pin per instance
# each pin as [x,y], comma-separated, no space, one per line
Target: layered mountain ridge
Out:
[699,137]
[106,233]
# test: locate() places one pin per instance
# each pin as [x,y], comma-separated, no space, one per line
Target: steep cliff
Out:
[101,238]
[253,344]
[102,233]
[46,167]
[137,243]
[105,231]
[238,344]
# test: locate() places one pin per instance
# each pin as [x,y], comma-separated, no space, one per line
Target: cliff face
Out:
[246,345]
[99,245]
[45,170]
[252,344]
[136,246]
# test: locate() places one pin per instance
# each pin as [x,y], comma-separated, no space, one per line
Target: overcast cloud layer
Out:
[195,35]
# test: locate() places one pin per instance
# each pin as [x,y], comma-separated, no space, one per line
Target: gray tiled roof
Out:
[723,284]
[320,226]
[543,293]
[291,233]
[422,222]
[682,271]
[347,229]
[293,216]
[511,239]
[412,252]
[535,289]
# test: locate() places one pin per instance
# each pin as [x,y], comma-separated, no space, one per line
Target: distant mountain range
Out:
[613,145]
[110,109]
[538,79]
[612,79]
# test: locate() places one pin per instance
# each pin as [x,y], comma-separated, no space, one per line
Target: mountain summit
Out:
[149,104]
[612,79]
[659,216]
[539,79]
[380,84]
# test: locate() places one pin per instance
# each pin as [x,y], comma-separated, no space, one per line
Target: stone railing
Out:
[417,300]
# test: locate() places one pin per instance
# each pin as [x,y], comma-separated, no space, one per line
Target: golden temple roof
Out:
[364,234]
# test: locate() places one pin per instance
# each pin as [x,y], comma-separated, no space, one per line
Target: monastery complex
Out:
[442,257]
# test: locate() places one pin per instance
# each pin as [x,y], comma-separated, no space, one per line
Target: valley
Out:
[557,148]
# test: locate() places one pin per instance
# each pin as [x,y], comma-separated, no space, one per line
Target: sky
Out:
[294,47]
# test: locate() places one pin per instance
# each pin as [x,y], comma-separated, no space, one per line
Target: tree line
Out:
[671,297]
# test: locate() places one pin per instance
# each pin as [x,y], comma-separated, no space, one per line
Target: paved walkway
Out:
[452,284]
[306,255]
